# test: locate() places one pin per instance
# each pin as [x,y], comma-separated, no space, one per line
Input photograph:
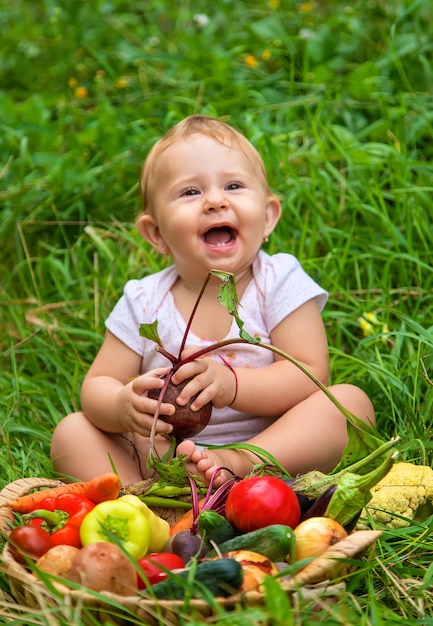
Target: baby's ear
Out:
[149,230]
[272,213]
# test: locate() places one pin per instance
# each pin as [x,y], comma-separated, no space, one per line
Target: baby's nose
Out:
[215,200]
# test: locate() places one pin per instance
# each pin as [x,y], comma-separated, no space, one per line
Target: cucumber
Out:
[220,577]
[213,527]
[275,542]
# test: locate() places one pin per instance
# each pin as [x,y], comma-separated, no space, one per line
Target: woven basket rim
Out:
[355,544]
[13,569]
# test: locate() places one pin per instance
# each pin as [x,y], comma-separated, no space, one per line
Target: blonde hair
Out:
[203,125]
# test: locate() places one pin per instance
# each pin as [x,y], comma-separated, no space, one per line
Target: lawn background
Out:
[336,96]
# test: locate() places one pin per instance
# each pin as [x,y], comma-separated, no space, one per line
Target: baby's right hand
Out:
[138,410]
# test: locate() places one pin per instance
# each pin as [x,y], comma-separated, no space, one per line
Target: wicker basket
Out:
[106,607]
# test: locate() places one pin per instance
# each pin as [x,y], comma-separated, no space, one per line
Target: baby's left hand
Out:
[212,380]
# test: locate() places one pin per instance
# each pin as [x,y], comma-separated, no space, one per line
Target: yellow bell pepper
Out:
[159,528]
[113,521]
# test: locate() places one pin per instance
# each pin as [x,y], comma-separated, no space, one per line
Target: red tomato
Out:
[155,566]
[260,501]
[32,541]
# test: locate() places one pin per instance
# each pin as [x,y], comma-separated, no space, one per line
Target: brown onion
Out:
[255,567]
[315,535]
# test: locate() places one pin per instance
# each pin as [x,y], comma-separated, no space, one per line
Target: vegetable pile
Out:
[106,538]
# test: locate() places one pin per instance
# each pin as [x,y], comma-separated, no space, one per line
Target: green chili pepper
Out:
[165,502]
[353,492]
[117,521]
[353,484]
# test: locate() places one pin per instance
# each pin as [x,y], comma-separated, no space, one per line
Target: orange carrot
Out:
[186,521]
[98,489]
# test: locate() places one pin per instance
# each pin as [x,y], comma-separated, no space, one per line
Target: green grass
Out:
[337,98]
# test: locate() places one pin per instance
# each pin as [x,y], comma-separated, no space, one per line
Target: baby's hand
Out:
[138,410]
[211,379]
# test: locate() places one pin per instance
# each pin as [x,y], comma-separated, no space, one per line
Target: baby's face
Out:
[211,205]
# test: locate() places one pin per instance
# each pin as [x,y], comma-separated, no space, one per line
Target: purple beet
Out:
[186,423]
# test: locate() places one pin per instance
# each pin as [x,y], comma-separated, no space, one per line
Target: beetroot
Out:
[186,545]
[186,423]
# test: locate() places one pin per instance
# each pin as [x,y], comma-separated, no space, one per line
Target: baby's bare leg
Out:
[311,435]
[82,451]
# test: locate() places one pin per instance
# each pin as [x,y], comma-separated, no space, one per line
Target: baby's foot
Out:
[201,462]
[204,462]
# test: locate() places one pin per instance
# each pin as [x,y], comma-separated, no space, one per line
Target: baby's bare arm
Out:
[114,399]
[270,390]
[275,389]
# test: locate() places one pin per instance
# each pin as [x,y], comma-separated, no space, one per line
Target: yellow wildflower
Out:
[306,7]
[371,317]
[81,92]
[385,332]
[366,327]
[251,61]
[72,82]
[266,54]
[274,4]
[371,325]
[121,82]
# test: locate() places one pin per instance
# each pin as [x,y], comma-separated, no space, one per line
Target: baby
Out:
[207,204]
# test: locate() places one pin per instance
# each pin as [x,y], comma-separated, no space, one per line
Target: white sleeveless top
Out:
[278,287]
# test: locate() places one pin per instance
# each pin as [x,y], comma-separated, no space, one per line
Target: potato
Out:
[57,560]
[102,566]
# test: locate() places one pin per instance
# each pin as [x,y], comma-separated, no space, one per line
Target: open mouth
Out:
[220,236]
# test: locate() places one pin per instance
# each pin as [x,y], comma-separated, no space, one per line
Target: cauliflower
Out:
[405,493]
